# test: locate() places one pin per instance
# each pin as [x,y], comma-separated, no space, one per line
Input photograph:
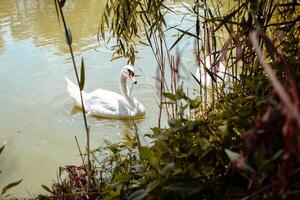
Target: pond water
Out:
[38,122]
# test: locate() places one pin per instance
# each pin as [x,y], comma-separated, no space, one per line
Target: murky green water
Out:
[38,122]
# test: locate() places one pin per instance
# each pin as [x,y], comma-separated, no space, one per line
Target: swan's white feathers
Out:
[106,103]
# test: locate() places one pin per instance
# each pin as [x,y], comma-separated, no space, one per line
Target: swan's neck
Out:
[124,89]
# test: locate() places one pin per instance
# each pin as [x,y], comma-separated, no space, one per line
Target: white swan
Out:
[109,104]
[219,76]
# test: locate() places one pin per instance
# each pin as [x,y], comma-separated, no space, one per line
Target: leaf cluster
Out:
[128,20]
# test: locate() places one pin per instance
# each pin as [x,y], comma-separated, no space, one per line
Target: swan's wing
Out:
[107,103]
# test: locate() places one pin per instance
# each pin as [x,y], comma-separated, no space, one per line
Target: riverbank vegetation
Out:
[236,139]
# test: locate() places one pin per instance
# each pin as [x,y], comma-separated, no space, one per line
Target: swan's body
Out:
[110,104]
[219,76]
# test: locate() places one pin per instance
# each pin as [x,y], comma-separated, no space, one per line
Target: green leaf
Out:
[188,33]
[278,154]
[4,190]
[210,73]
[47,188]
[169,95]
[204,143]
[233,156]
[177,171]
[195,78]
[185,188]
[144,43]
[152,185]
[68,35]
[178,39]
[147,154]
[168,167]
[117,57]
[227,18]
[180,93]
[82,75]
[138,195]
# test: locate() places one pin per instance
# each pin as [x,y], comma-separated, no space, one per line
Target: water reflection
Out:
[37,21]
[2,45]
[98,121]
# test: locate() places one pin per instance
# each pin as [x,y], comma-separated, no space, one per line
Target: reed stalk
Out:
[59,4]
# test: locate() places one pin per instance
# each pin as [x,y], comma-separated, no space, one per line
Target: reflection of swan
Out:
[109,104]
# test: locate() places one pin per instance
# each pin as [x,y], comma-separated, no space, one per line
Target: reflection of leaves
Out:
[9,186]
[46,188]
[1,149]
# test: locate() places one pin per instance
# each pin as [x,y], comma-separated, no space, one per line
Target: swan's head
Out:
[128,71]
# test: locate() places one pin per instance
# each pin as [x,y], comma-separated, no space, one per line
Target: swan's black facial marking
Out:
[131,73]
